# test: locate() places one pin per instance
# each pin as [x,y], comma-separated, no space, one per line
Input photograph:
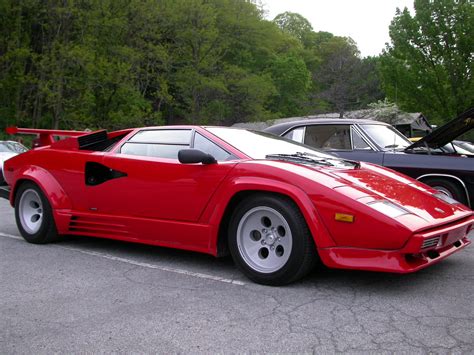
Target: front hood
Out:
[411,195]
[447,133]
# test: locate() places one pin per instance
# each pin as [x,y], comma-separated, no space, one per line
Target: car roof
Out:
[285,126]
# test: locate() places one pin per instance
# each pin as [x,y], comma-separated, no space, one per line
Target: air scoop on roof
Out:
[89,141]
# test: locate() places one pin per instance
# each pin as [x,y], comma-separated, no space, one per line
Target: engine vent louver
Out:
[430,242]
[96,226]
[88,140]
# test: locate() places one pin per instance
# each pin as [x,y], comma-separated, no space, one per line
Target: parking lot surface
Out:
[92,295]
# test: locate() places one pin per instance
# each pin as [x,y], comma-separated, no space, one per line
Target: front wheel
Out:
[270,241]
[33,215]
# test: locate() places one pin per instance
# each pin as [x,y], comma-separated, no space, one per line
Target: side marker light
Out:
[342,217]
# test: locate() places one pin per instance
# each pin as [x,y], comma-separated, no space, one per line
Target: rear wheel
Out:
[33,215]
[448,187]
[270,241]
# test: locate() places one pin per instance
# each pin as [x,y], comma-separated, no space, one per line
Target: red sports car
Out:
[276,205]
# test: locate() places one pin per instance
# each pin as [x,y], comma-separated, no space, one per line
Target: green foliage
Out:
[121,63]
[341,80]
[294,24]
[292,80]
[429,65]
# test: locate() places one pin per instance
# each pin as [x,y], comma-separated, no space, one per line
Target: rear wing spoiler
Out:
[44,136]
[83,140]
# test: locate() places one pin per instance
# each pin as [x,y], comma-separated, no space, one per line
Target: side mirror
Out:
[193,156]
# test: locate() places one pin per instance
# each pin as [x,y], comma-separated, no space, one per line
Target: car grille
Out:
[430,242]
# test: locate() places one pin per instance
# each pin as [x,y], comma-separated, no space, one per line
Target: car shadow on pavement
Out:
[321,276]
[147,253]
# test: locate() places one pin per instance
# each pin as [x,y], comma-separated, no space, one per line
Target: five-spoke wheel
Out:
[264,239]
[33,214]
[270,241]
[31,211]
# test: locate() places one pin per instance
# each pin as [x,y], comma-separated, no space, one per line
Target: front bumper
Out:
[5,192]
[412,257]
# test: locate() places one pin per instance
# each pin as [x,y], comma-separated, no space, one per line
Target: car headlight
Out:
[388,208]
[445,198]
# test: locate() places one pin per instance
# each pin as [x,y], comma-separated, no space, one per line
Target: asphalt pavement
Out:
[86,295]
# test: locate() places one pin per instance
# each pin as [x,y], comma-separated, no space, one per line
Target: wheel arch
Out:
[450,177]
[51,188]
[243,189]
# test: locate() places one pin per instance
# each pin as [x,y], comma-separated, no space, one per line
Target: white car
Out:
[9,149]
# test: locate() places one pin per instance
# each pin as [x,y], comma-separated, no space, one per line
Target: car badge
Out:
[437,209]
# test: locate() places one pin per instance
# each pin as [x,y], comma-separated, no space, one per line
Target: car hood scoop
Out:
[447,133]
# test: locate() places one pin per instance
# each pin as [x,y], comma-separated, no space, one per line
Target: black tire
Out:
[449,187]
[33,215]
[288,222]
[2,179]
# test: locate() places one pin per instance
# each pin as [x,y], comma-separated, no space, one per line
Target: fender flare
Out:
[227,191]
[57,197]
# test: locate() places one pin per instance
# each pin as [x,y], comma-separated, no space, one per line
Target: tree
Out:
[345,81]
[429,64]
[294,24]
[119,63]
[341,80]
[292,80]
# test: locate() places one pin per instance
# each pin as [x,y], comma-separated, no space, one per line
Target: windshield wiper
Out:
[300,157]
[391,146]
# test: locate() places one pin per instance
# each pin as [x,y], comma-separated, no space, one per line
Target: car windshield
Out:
[458,148]
[385,136]
[12,147]
[258,145]
[467,146]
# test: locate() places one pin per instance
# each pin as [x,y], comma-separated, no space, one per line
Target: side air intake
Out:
[96,226]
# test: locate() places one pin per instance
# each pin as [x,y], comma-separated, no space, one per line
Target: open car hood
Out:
[447,133]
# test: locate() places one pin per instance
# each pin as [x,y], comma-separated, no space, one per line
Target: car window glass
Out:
[328,137]
[165,136]
[258,145]
[209,147]
[296,134]
[12,147]
[357,141]
[169,151]
[4,148]
[158,143]
[386,136]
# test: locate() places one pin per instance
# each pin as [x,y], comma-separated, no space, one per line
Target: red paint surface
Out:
[163,202]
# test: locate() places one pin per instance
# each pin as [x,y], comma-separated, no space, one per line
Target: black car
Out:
[433,159]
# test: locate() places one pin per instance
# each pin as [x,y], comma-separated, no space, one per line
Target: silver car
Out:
[9,149]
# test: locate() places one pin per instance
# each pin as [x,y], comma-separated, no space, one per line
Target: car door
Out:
[151,185]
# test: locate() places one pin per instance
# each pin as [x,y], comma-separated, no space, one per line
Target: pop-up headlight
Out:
[388,208]
[445,198]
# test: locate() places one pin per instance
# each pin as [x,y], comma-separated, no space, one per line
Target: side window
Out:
[209,147]
[328,137]
[296,134]
[358,142]
[164,143]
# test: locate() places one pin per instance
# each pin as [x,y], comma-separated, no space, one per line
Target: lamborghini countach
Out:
[275,205]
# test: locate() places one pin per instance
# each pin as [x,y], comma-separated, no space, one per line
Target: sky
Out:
[366,21]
